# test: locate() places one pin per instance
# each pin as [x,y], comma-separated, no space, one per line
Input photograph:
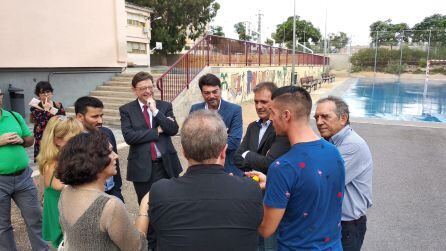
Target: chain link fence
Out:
[402,52]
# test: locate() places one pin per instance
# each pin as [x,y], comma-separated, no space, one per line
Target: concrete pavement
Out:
[408,198]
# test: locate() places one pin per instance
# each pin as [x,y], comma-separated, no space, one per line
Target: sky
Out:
[352,17]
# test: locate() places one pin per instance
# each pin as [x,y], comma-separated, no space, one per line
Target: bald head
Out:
[203,136]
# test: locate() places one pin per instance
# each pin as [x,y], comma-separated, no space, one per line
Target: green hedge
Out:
[389,60]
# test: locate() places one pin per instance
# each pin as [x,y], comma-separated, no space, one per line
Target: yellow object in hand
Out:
[256,178]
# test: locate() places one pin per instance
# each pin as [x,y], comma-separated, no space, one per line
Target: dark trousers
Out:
[142,188]
[267,244]
[21,189]
[116,192]
[353,233]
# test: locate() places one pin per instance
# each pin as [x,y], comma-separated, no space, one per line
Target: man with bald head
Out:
[206,209]
[305,186]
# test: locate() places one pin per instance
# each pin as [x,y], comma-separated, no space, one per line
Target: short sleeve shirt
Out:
[13,158]
[308,182]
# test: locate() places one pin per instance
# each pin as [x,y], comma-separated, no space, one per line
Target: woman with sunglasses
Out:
[42,113]
[57,133]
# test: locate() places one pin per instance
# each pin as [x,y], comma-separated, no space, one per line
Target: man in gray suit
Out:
[147,126]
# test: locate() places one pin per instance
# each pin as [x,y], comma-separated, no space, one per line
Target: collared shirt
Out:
[13,158]
[109,184]
[207,108]
[263,127]
[158,153]
[358,173]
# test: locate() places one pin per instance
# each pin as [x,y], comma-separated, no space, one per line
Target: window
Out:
[135,23]
[137,48]
[135,20]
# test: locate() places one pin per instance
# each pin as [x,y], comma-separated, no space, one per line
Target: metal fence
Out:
[402,52]
[221,51]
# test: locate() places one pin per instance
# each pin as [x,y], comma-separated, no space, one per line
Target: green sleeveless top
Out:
[51,230]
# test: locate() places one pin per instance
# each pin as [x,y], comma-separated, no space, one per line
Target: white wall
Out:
[48,33]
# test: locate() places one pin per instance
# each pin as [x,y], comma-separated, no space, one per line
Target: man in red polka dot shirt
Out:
[305,187]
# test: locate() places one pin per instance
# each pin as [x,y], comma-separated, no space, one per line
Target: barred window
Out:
[137,48]
[135,20]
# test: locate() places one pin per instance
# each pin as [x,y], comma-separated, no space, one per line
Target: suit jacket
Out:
[138,136]
[260,156]
[222,212]
[232,116]
[117,177]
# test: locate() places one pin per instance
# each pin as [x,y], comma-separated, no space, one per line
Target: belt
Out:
[355,222]
[158,161]
[15,173]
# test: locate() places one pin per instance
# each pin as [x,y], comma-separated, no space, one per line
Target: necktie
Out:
[152,144]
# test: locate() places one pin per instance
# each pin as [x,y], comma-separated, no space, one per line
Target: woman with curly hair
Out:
[90,218]
[57,133]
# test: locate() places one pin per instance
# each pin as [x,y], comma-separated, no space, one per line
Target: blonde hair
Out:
[58,127]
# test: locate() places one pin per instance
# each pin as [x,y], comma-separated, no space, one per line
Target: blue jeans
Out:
[22,190]
[267,244]
[353,233]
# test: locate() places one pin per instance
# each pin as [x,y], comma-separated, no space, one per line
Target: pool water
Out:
[397,100]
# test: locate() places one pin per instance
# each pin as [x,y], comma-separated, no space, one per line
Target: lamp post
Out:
[400,37]
[293,62]
[325,41]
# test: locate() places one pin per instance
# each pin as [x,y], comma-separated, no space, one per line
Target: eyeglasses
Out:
[45,92]
[61,117]
[143,88]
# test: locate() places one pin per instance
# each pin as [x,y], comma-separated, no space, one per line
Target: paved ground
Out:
[409,195]
[409,192]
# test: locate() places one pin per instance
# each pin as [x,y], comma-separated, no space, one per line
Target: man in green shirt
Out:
[16,182]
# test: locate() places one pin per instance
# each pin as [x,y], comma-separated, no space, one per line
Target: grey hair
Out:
[203,135]
[341,106]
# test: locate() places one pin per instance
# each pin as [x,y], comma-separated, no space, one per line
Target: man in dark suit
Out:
[260,146]
[89,111]
[210,87]
[147,126]
[206,209]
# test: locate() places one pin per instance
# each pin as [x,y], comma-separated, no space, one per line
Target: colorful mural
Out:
[238,85]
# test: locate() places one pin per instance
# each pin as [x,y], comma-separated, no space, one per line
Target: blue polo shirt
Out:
[308,182]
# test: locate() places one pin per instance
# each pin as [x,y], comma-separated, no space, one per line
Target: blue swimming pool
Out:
[397,100]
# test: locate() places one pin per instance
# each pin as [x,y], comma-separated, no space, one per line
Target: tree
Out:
[185,18]
[240,29]
[436,23]
[217,31]
[269,42]
[388,33]
[305,31]
[339,41]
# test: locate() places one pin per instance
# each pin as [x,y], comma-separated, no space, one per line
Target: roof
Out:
[141,8]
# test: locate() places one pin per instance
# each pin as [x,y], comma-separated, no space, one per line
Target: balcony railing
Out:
[221,51]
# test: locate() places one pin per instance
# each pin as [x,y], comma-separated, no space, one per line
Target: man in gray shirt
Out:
[332,119]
